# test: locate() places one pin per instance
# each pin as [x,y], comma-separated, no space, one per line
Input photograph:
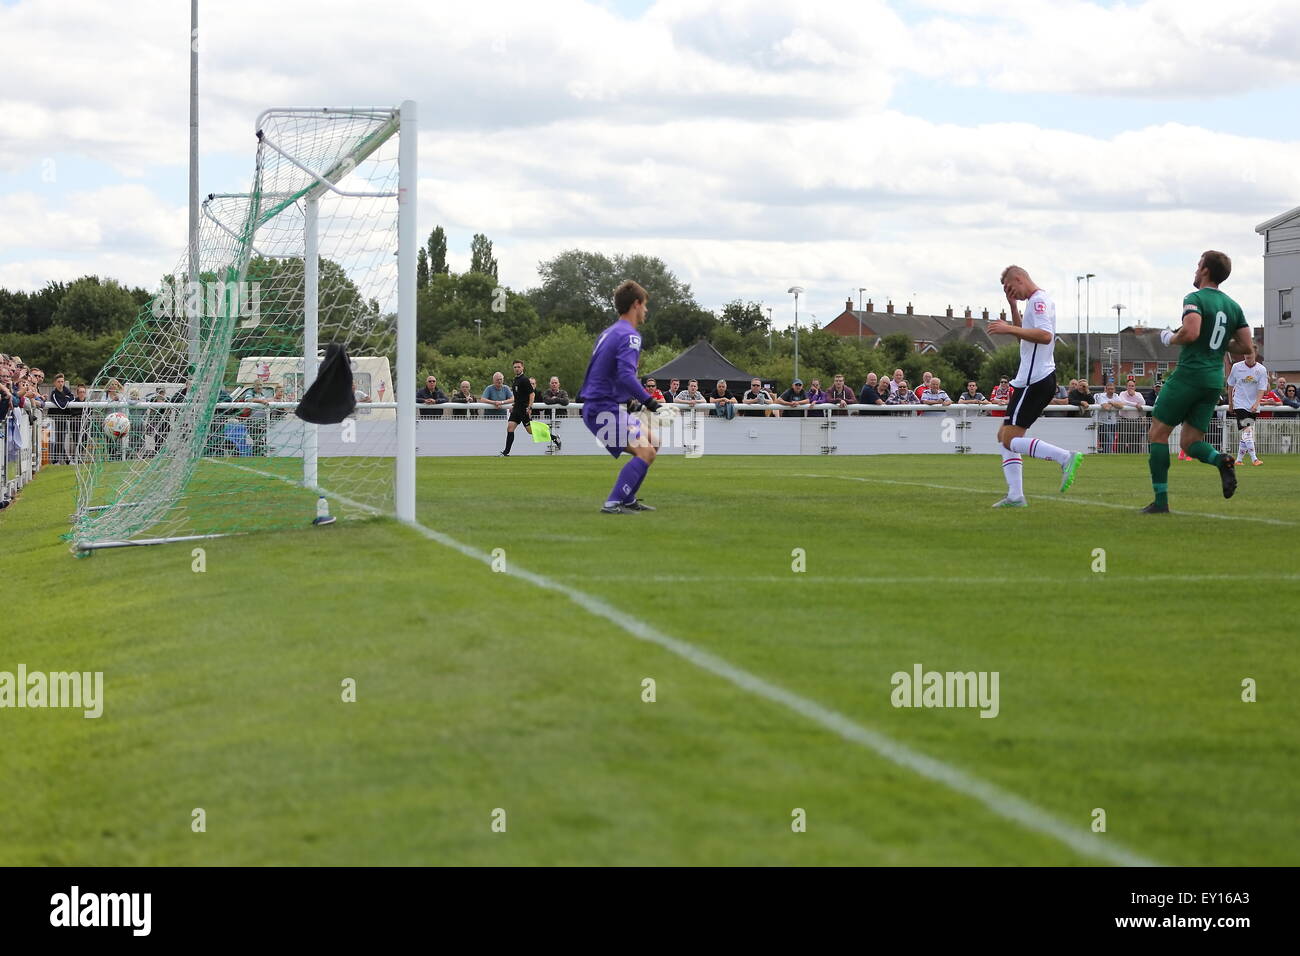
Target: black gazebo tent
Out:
[706,364]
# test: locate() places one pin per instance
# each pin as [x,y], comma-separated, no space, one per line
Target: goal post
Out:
[320,251]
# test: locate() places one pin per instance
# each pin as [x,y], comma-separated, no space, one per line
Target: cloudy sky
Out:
[911,148]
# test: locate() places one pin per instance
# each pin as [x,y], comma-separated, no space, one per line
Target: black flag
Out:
[331,397]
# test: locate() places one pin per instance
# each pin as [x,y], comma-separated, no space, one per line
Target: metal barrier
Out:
[22,438]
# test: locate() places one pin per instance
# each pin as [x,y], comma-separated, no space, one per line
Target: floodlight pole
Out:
[796,290]
[1119,346]
[1078,324]
[1087,303]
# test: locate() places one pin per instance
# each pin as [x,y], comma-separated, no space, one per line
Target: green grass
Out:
[478,690]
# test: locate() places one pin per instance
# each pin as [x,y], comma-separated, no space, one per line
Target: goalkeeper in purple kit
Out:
[611,381]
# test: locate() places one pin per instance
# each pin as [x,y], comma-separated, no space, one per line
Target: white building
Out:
[1281,278]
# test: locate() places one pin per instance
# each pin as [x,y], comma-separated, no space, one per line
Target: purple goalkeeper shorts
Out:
[613,427]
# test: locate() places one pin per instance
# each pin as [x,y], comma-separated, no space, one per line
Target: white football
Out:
[116,425]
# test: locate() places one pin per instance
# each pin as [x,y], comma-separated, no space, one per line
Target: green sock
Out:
[1158,460]
[1204,451]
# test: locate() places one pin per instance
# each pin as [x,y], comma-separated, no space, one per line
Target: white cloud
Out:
[1159,48]
[748,142]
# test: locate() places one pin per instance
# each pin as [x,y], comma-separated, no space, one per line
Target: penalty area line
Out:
[993,798]
[1061,498]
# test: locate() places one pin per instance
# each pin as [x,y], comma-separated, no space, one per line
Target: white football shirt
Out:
[1036,359]
[1248,384]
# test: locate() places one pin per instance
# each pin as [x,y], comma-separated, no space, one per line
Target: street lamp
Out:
[1119,360]
[770,329]
[479,323]
[1078,321]
[861,290]
[797,290]
[1087,301]
[1107,354]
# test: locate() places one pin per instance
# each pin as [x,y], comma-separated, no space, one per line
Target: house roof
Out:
[1263,227]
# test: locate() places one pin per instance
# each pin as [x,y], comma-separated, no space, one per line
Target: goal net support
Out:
[319,251]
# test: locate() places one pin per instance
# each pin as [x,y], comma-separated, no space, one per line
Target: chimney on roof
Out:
[889,307]
[949,312]
[871,306]
[1003,316]
[848,305]
[986,315]
[968,311]
[970,322]
[909,308]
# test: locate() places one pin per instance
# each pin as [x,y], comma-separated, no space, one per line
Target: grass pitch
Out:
[478,690]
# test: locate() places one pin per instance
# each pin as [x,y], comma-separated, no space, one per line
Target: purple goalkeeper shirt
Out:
[611,374]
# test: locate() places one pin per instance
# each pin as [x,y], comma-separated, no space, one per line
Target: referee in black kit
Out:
[521,411]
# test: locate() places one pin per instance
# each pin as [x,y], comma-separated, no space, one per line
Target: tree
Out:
[578,286]
[451,304]
[678,324]
[438,252]
[481,259]
[966,358]
[1005,361]
[897,346]
[94,308]
[421,269]
[744,317]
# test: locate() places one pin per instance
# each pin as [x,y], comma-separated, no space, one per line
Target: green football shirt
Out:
[1200,363]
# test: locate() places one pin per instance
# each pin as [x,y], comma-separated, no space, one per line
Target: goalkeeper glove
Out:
[650,405]
[1166,336]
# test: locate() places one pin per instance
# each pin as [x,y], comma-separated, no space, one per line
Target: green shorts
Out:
[1178,404]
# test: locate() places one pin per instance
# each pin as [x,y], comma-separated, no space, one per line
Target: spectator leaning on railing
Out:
[1001,392]
[816,395]
[462,396]
[902,394]
[555,396]
[760,397]
[839,394]
[870,394]
[497,394]
[724,404]
[935,395]
[1080,396]
[973,395]
[691,395]
[794,397]
[430,395]
[1292,398]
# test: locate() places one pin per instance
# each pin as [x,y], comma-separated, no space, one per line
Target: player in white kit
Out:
[1247,383]
[1033,387]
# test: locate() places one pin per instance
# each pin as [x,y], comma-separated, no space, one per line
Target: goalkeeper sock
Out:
[510,440]
[1204,451]
[1035,448]
[1013,471]
[629,480]
[1158,460]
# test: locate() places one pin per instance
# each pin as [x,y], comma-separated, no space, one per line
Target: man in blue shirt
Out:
[610,382]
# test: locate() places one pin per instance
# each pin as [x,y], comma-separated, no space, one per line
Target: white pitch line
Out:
[1061,498]
[1000,802]
[1107,580]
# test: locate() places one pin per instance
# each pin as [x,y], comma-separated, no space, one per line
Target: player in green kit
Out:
[1212,325]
